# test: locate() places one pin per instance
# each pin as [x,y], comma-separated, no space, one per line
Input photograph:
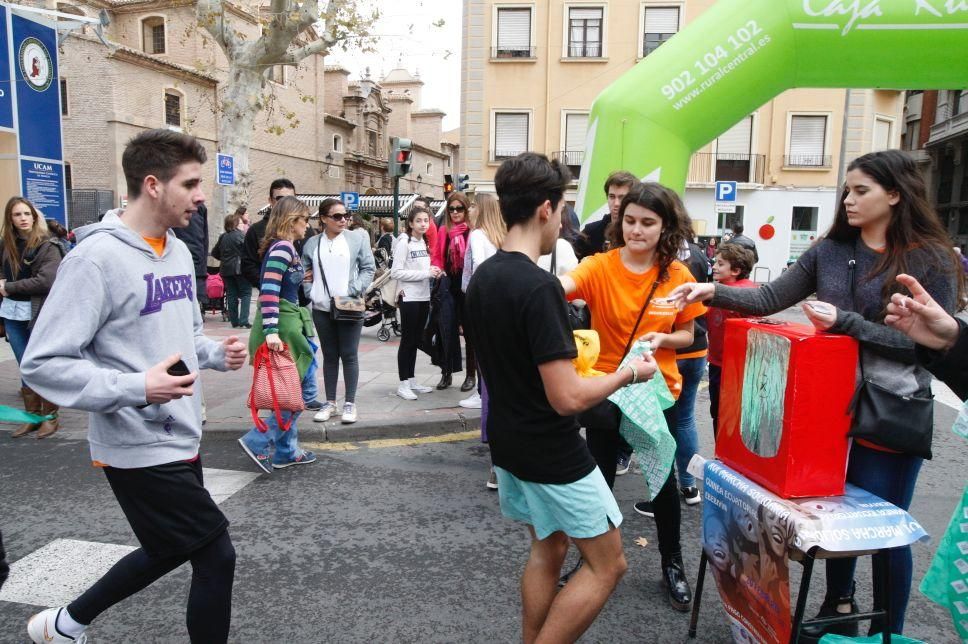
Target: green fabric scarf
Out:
[295,329]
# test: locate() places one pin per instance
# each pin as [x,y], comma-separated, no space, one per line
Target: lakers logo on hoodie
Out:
[166,289]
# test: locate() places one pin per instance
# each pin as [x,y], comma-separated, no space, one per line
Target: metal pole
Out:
[396,205]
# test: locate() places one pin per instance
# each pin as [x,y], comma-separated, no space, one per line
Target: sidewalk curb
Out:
[434,423]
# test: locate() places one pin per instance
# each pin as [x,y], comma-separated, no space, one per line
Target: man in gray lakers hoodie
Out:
[118,310]
[122,312]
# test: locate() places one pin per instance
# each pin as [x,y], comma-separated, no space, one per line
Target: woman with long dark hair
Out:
[884,227]
[338,263]
[625,289]
[29,264]
[448,256]
[413,272]
[281,323]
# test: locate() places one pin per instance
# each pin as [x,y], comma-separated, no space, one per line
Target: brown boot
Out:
[32,406]
[48,427]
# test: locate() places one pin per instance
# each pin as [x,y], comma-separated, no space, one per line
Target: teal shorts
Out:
[581,510]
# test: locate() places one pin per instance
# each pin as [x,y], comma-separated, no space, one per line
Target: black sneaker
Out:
[645,508]
[690,495]
[622,464]
[314,405]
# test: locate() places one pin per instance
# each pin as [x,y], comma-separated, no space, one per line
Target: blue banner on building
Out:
[38,89]
[6,91]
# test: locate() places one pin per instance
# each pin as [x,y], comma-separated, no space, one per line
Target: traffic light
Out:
[463,183]
[401,156]
[448,184]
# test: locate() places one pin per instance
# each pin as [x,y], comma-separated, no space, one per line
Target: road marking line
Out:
[393,442]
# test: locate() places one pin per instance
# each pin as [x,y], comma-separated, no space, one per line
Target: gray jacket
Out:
[362,265]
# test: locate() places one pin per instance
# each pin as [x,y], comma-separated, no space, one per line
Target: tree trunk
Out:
[241,101]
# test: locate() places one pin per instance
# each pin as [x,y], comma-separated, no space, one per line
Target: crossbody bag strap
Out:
[554,259]
[628,344]
[319,258]
[852,277]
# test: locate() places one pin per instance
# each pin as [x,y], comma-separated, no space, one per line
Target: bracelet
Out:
[635,376]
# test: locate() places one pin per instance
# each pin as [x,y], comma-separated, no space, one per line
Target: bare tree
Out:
[291,31]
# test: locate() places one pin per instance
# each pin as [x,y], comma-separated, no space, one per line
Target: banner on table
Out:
[748,533]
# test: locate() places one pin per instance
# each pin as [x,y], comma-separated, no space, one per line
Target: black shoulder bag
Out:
[901,423]
[606,414]
[341,308]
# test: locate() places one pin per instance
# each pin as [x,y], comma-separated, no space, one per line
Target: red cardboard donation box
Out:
[783,412]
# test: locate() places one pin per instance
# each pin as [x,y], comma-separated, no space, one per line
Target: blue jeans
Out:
[286,442]
[687,439]
[891,477]
[18,335]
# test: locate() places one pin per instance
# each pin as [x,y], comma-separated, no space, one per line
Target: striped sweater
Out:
[282,275]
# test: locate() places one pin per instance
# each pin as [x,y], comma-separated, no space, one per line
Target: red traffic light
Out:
[403,156]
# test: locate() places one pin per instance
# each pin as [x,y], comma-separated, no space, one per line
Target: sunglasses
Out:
[340,216]
[455,208]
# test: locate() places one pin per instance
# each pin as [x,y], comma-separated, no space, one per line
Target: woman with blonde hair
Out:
[281,323]
[28,264]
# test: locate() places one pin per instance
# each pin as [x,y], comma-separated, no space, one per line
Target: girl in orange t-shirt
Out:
[615,286]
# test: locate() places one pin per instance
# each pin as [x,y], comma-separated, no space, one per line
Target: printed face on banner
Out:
[764,387]
[35,64]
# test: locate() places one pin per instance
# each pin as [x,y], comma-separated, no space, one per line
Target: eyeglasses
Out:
[340,216]
[455,208]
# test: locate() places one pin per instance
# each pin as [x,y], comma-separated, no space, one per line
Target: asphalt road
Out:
[384,543]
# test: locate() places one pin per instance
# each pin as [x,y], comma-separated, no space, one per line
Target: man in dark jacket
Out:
[195,236]
[592,238]
[251,264]
[740,239]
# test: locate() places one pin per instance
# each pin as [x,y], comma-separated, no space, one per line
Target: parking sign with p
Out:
[725,191]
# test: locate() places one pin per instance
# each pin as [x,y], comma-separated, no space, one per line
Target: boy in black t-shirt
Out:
[546,476]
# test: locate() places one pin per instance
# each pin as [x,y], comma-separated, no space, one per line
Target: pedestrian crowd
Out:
[511,278]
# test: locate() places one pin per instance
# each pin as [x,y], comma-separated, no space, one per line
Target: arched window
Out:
[337,143]
[430,169]
[153,35]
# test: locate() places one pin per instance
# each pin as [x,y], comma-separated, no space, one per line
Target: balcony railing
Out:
[706,167]
[807,161]
[513,52]
[571,158]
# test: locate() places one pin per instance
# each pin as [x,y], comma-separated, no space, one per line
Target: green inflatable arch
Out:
[741,53]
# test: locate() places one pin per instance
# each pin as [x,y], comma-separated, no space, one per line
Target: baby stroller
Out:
[380,307]
[215,294]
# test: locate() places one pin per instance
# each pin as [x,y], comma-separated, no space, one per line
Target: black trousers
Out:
[209,600]
[604,443]
[413,317]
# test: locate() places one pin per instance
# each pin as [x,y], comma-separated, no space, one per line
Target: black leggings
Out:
[413,317]
[603,443]
[209,600]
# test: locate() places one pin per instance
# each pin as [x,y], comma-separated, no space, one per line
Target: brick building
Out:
[321,130]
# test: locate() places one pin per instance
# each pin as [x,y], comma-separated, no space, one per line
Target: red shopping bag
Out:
[276,386]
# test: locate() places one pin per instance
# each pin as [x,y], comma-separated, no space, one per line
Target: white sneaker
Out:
[324,412]
[471,402]
[349,413]
[42,629]
[405,392]
[417,388]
